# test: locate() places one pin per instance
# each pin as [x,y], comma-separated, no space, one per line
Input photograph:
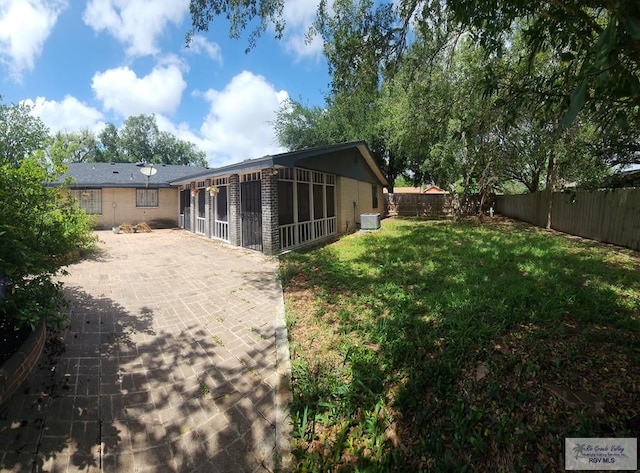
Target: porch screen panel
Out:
[201,198]
[185,208]
[304,206]
[331,201]
[222,213]
[285,202]
[184,200]
[318,201]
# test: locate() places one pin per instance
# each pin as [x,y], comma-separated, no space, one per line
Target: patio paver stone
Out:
[172,362]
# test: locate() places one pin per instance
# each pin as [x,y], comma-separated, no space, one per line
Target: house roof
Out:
[122,175]
[433,189]
[430,189]
[407,190]
[308,158]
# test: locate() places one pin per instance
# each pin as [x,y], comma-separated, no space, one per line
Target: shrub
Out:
[41,231]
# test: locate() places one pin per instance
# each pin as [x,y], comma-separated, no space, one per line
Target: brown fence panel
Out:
[418,205]
[607,215]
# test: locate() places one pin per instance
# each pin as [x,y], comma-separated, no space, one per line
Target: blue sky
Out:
[83,63]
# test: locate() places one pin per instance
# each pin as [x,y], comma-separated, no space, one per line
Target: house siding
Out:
[125,210]
[350,191]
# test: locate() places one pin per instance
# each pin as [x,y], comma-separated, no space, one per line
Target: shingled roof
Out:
[312,158]
[123,175]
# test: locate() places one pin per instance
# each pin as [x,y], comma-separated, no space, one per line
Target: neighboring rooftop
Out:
[428,189]
[123,174]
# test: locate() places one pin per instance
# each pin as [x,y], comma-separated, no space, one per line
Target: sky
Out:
[84,63]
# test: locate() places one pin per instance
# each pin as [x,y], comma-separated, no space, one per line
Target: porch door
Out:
[251,214]
[185,208]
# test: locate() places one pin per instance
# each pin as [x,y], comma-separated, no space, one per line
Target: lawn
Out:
[442,346]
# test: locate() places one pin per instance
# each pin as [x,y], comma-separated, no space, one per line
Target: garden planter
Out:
[17,369]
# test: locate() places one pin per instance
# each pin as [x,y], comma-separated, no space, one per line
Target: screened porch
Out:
[306,206]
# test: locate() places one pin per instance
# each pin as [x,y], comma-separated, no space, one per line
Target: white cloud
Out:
[239,123]
[199,44]
[122,91]
[25,25]
[68,115]
[136,23]
[299,16]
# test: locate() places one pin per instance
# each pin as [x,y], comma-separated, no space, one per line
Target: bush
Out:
[41,231]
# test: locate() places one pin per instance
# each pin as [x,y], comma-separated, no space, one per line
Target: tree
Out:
[41,228]
[171,150]
[21,134]
[77,147]
[137,139]
[600,39]
[300,127]
[140,140]
[109,145]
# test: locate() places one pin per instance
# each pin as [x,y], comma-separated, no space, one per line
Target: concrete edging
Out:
[15,371]
[283,395]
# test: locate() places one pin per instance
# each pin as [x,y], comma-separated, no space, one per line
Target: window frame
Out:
[145,202]
[92,203]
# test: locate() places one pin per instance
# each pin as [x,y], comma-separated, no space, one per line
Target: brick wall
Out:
[17,369]
[270,232]
[127,212]
[235,237]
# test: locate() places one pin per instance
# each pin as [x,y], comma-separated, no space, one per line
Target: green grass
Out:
[436,345]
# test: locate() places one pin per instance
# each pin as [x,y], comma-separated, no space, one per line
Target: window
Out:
[146,197]
[374,196]
[89,199]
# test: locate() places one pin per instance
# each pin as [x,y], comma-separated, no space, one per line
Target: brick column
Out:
[235,237]
[270,230]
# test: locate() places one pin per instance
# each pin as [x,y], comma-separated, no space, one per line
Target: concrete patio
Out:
[175,360]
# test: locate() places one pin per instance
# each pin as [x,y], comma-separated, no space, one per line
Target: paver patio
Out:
[175,361]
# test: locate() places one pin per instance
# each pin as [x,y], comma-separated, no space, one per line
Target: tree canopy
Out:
[40,227]
[482,95]
[138,140]
[599,38]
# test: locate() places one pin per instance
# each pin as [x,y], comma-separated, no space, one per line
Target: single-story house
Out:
[117,193]
[271,204]
[284,201]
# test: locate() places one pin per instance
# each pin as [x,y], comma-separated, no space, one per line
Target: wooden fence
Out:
[418,205]
[429,205]
[607,215]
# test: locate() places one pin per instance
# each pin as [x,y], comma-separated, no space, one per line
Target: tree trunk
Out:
[392,172]
[552,181]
